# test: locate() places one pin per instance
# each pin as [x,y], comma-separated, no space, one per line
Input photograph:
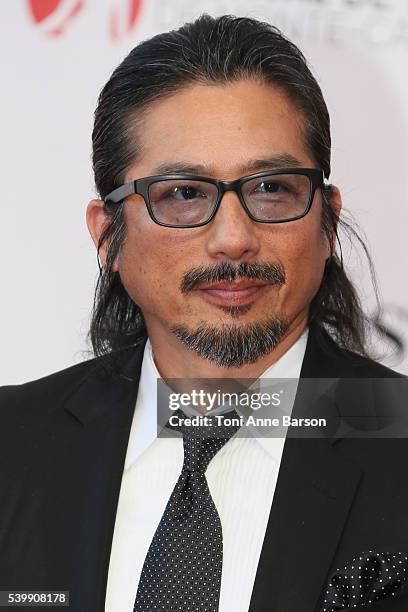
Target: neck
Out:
[174,360]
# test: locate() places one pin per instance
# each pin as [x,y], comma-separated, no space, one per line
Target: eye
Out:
[182,193]
[185,192]
[270,187]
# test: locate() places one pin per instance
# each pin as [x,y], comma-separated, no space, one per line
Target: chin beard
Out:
[233,345]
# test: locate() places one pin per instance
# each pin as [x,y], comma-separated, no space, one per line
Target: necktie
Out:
[182,569]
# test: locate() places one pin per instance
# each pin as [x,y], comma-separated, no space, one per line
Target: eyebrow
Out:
[283,160]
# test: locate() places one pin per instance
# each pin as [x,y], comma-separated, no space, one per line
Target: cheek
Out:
[148,261]
[305,255]
[141,268]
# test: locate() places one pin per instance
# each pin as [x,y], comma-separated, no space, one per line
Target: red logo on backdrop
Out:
[122,20]
[54,16]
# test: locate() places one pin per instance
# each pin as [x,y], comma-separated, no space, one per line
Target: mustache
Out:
[226,271]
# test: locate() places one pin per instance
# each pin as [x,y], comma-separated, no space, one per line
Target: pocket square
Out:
[369,577]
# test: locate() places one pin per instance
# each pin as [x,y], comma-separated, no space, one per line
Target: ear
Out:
[335,201]
[96,220]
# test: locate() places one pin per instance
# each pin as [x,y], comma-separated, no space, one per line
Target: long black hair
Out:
[210,50]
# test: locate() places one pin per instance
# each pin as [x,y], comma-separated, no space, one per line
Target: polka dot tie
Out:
[182,569]
[367,578]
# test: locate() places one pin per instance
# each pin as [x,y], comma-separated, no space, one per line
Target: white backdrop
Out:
[57,55]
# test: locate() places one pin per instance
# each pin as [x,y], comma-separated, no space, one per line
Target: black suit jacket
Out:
[63,444]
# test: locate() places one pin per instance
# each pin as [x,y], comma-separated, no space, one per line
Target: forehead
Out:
[220,127]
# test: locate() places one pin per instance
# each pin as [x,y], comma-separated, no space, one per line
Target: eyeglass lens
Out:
[268,198]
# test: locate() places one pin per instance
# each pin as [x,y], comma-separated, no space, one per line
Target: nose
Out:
[232,234]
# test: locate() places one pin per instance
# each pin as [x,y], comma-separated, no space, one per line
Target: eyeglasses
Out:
[188,200]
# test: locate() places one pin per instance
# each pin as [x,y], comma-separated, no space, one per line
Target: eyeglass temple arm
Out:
[119,194]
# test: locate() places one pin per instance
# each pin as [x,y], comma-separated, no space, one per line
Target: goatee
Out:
[233,345]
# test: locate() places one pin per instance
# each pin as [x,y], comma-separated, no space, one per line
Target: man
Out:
[216,234]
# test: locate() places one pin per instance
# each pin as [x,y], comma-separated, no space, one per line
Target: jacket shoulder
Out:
[368,367]
[46,393]
[325,357]
[52,386]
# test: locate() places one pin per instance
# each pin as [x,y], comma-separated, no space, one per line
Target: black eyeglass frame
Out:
[141,187]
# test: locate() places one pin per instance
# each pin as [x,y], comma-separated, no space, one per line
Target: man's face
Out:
[221,130]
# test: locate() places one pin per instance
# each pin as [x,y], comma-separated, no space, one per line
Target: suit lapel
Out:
[313,495]
[314,492]
[88,466]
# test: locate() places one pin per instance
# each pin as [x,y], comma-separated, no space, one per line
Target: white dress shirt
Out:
[241,478]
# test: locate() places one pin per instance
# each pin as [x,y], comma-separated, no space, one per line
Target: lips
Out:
[234,285]
[236,293]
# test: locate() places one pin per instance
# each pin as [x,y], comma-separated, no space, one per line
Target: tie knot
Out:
[204,436]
